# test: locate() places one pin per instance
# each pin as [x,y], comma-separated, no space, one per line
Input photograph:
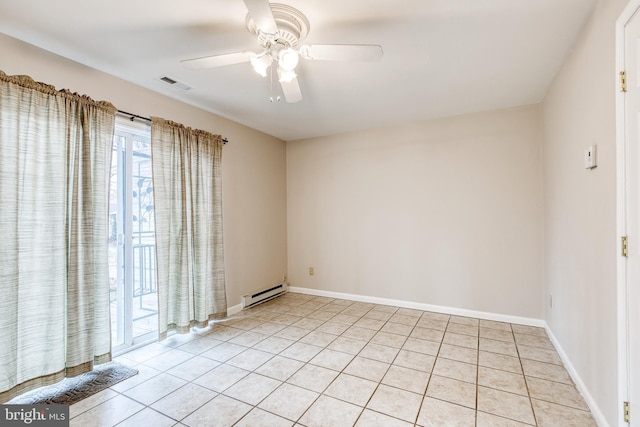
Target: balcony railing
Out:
[144,279]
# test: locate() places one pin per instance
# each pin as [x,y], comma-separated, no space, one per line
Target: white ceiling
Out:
[441,57]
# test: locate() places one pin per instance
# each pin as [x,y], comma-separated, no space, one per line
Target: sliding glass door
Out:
[132,257]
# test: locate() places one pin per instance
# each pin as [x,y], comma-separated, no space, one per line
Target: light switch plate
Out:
[590,158]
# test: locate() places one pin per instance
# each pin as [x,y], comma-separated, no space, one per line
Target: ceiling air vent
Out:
[175,83]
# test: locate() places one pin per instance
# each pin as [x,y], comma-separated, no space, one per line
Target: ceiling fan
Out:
[279,30]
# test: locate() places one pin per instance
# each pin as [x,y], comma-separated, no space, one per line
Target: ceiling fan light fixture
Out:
[261,63]
[286,76]
[288,59]
[279,29]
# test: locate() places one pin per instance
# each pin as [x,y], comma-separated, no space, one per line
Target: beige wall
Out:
[445,212]
[580,208]
[254,183]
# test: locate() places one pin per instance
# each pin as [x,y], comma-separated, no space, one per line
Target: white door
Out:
[631,293]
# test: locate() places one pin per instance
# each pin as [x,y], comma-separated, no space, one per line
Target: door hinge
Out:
[623,81]
[627,412]
[624,246]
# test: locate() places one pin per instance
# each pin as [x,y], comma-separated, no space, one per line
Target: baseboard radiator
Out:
[264,295]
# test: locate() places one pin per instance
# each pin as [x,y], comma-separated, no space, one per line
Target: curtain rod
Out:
[147,119]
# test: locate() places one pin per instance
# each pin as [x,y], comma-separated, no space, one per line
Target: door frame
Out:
[130,130]
[632,7]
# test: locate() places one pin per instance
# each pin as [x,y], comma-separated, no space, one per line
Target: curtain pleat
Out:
[90,139]
[55,154]
[188,216]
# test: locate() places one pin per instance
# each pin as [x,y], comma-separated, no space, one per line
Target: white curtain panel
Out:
[187,192]
[55,150]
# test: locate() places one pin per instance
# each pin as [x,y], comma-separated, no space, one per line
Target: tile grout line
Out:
[431,373]
[526,383]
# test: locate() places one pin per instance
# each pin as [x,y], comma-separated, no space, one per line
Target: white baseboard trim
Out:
[582,388]
[234,309]
[421,306]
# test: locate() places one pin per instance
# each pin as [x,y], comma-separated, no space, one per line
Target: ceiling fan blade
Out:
[291,90]
[342,52]
[260,12]
[216,60]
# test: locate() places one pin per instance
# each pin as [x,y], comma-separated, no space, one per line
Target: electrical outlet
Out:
[550,301]
[310,271]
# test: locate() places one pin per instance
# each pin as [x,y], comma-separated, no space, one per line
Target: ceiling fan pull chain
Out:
[277,99]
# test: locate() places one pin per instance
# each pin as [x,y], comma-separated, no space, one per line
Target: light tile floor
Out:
[300,360]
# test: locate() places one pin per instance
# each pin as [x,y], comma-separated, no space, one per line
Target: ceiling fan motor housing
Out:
[293,27]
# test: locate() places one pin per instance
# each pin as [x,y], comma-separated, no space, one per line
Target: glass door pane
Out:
[145,291]
[132,259]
